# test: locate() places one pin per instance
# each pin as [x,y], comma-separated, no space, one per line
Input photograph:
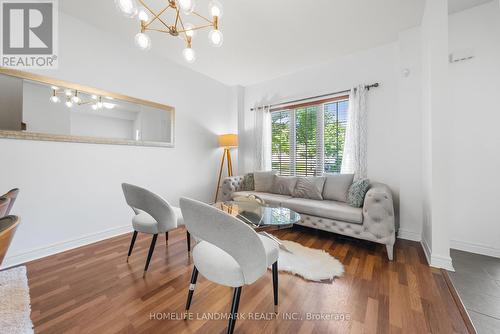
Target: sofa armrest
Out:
[230,185]
[378,213]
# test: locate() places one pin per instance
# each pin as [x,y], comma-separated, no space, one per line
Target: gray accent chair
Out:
[230,252]
[153,215]
[373,222]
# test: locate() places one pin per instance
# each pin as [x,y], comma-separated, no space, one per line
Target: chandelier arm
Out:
[203,17]
[197,28]
[177,15]
[183,30]
[157,16]
[158,30]
[85,102]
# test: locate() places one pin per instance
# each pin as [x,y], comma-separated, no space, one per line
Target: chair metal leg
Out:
[132,242]
[275,286]
[234,310]
[166,238]
[188,237]
[194,277]
[151,250]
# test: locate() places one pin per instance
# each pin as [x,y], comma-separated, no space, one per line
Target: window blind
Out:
[308,139]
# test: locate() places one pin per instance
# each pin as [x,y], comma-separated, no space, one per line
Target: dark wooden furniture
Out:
[4,206]
[11,195]
[8,226]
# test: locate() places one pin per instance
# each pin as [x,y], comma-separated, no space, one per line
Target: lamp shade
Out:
[228,140]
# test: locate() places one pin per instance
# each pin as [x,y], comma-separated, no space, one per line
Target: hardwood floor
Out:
[93,289]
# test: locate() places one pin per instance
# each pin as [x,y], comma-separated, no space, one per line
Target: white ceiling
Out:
[264,39]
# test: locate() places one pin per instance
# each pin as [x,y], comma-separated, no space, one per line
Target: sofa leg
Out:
[390,251]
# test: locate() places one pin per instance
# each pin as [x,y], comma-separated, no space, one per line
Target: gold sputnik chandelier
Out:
[171,19]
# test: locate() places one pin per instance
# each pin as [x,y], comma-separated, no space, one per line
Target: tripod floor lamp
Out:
[226,141]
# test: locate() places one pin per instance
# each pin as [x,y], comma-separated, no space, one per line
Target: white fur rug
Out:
[15,308]
[309,263]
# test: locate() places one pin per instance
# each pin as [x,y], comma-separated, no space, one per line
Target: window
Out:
[308,139]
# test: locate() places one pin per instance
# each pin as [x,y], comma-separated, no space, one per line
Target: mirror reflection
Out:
[37,108]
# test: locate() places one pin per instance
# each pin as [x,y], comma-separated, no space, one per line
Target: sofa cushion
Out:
[248,182]
[269,198]
[263,180]
[309,187]
[326,209]
[357,192]
[283,185]
[337,186]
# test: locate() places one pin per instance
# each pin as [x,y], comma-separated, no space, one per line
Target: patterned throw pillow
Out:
[248,182]
[357,192]
[309,187]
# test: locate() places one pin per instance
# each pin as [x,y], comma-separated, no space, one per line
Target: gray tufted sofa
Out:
[373,222]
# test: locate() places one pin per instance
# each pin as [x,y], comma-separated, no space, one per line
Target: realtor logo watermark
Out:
[29,34]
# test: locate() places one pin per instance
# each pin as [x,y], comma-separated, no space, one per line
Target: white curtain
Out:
[354,160]
[262,138]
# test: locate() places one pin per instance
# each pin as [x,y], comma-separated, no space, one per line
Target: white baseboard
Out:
[436,261]
[409,235]
[475,248]
[427,250]
[34,254]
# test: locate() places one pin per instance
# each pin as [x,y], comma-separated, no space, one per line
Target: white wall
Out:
[409,133]
[473,129]
[435,145]
[70,192]
[374,65]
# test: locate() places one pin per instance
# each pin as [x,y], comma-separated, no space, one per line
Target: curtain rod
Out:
[316,97]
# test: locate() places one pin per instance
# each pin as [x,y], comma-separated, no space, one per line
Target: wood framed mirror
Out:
[36,107]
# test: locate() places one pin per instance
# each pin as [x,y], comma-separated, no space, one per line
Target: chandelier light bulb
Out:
[68,92]
[188,27]
[75,98]
[187,6]
[99,105]
[55,99]
[127,7]
[94,106]
[189,55]
[215,37]
[215,8]
[69,104]
[143,41]
[143,16]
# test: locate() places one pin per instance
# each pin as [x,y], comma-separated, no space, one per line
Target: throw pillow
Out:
[248,182]
[357,192]
[337,186]
[283,185]
[309,187]
[263,181]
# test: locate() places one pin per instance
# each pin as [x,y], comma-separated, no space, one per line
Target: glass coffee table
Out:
[261,217]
